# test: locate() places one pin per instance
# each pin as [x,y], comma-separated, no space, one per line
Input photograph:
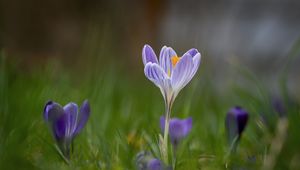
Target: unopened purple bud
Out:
[236,121]
[66,122]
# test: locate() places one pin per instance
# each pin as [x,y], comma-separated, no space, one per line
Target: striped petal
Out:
[71,112]
[196,61]
[157,75]
[182,72]
[148,55]
[165,59]
[172,52]
[193,52]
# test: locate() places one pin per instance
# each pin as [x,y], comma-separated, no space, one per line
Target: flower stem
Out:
[62,155]
[164,148]
[174,153]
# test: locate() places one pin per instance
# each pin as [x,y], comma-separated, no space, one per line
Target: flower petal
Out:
[165,59]
[154,164]
[235,122]
[177,129]
[83,116]
[192,52]
[52,111]
[157,75]
[196,61]
[242,119]
[148,55]
[60,127]
[47,107]
[182,72]
[188,123]
[71,111]
[172,52]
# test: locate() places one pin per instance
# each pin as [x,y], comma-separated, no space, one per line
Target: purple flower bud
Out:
[279,106]
[178,129]
[66,122]
[236,121]
[155,164]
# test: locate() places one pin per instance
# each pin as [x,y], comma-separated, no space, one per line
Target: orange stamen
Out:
[174,60]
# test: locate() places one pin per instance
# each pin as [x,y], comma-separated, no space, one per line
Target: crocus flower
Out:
[66,122]
[146,161]
[236,121]
[171,73]
[179,128]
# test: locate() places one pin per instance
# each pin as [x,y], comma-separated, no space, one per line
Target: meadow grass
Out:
[124,120]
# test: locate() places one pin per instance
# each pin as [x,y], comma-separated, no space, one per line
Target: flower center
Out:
[175,60]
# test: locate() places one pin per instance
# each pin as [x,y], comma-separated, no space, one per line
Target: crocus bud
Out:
[66,122]
[236,121]
[178,129]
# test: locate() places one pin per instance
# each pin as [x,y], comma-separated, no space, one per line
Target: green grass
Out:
[123,105]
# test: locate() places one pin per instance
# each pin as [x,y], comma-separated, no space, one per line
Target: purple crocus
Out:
[171,73]
[179,128]
[66,122]
[236,121]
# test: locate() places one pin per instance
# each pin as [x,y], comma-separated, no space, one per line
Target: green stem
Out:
[174,159]
[62,155]
[164,147]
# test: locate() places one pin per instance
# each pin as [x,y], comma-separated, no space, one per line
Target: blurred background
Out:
[257,34]
[71,50]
